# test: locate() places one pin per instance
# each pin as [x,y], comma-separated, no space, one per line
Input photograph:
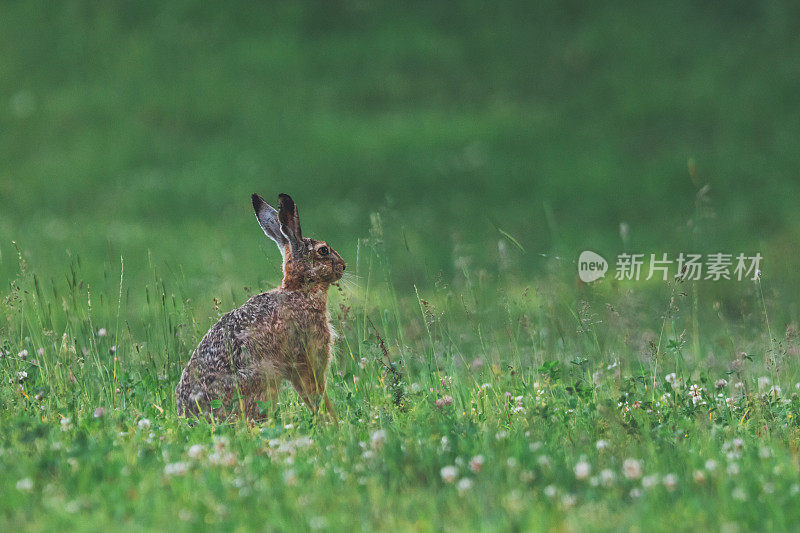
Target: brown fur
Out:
[281,334]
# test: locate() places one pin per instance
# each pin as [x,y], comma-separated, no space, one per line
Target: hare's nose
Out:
[344,266]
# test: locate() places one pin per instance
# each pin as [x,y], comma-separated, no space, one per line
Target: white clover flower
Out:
[99,412]
[378,438]
[764,382]
[22,376]
[631,469]
[721,383]
[464,484]
[670,482]
[582,470]
[764,452]
[699,476]
[607,477]
[101,332]
[449,474]
[649,481]
[66,424]
[602,444]
[550,491]
[23,354]
[671,378]
[176,469]
[733,469]
[25,484]
[544,460]
[476,463]
[416,387]
[196,451]
[711,465]
[739,494]
[144,423]
[635,493]
[289,477]
[569,500]
[40,352]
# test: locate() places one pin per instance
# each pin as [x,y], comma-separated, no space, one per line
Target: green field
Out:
[459,157]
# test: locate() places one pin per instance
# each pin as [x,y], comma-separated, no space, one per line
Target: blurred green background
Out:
[139,129]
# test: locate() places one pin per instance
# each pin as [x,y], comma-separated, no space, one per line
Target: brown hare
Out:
[281,334]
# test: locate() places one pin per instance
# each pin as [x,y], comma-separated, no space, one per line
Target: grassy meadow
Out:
[459,158]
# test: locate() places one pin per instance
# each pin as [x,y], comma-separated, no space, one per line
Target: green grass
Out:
[459,159]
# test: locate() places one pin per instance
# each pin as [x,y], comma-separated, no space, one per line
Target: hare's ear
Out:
[290,224]
[268,220]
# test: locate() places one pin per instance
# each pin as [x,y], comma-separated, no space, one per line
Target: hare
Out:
[281,334]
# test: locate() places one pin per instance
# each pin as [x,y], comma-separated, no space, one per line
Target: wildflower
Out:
[738,443]
[775,390]
[476,463]
[65,424]
[550,491]
[464,484]
[544,461]
[535,446]
[721,383]
[738,385]
[635,493]
[602,444]
[671,378]
[764,452]
[670,482]
[377,439]
[764,382]
[99,412]
[511,462]
[25,484]
[739,494]
[23,354]
[607,477]
[486,386]
[569,500]
[416,387]
[526,476]
[711,465]
[176,469]
[582,470]
[22,376]
[101,332]
[444,401]
[649,481]
[40,352]
[144,423]
[449,474]
[289,477]
[699,476]
[632,469]
[477,363]
[363,363]
[733,469]
[696,394]
[500,435]
[196,451]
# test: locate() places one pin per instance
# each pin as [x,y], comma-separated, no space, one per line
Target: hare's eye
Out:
[323,250]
